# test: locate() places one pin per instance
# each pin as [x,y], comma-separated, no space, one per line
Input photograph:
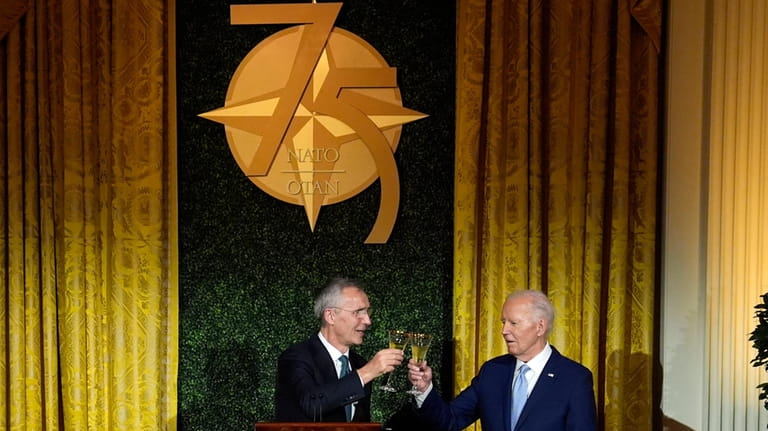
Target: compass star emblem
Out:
[340,134]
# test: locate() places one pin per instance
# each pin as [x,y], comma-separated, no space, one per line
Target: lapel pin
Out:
[550,374]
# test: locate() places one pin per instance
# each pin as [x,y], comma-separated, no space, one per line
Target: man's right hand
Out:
[420,375]
[384,361]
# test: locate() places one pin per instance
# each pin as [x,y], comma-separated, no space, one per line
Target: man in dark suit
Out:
[554,393]
[321,379]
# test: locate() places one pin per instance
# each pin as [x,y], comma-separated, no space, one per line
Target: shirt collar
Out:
[538,362]
[334,352]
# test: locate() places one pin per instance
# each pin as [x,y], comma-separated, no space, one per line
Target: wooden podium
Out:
[318,426]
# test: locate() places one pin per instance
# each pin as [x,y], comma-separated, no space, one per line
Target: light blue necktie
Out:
[519,394]
[344,371]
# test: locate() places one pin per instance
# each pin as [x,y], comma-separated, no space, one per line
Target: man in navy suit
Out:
[555,395]
[313,382]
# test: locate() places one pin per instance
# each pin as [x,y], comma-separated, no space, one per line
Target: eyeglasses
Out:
[359,313]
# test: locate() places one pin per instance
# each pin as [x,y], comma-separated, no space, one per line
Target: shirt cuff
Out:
[422,396]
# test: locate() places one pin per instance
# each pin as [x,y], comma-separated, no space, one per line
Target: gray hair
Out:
[330,296]
[541,305]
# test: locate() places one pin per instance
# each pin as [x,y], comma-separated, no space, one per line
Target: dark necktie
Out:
[519,394]
[344,371]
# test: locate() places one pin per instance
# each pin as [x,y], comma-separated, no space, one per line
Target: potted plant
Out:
[759,338]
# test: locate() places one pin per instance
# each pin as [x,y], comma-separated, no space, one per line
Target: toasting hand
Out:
[420,375]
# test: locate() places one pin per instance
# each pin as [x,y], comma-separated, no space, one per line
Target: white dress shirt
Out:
[536,364]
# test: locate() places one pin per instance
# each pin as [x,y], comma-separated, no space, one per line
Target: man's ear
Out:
[541,327]
[329,316]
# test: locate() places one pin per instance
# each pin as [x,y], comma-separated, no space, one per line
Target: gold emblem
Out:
[313,113]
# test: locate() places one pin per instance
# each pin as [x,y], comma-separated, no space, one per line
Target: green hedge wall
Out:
[249,264]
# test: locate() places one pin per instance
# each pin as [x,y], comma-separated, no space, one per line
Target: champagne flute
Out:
[397,340]
[419,347]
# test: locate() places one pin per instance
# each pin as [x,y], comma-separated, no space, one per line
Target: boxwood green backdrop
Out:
[249,264]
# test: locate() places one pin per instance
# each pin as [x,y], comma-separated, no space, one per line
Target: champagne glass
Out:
[419,347]
[397,340]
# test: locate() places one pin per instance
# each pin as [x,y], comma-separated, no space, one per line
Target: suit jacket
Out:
[308,389]
[562,399]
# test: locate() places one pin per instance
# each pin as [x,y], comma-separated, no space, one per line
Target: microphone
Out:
[320,399]
[313,397]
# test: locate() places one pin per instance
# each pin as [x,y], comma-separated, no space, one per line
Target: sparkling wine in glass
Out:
[397,340]
[419,348]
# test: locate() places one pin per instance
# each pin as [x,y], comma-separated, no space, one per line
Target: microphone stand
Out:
[313,397]
[320,400]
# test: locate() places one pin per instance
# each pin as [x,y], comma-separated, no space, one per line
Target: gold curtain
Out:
[88,319]
[556,185]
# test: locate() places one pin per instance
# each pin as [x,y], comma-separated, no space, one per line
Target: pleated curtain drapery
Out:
[88,313]
[556,185]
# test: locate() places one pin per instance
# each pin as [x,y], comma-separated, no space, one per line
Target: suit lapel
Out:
[545,385]
[356,361]
[325,366]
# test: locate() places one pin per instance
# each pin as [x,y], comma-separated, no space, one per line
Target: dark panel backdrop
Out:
[249,264]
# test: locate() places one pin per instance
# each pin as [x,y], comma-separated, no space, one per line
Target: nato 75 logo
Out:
[313,113]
